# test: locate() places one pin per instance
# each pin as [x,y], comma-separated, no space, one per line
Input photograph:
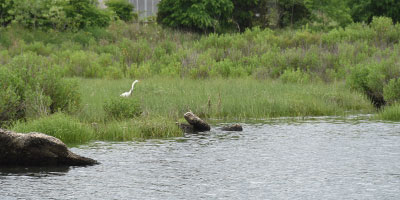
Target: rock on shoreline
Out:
[198,125]
[37,149]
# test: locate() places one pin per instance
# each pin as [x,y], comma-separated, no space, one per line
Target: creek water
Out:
[319,158]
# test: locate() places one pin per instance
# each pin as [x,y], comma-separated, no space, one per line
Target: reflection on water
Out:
[33,171]
[317,158]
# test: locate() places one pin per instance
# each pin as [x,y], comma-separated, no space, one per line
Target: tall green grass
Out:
[230,99]
[138,128]
[163,101]
[66,128]
[391,113]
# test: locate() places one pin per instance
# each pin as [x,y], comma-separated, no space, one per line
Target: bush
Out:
[369,79]
[382,26]
[5,16]
[30,87]
[122,8]
[122,108]
[144,128]
[11,97]
[84,64]
[59,15]
[391,91]
[59,125]
[391,112]
[198,15]
[295,76]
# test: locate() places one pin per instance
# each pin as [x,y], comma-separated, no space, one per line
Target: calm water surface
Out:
[323,158]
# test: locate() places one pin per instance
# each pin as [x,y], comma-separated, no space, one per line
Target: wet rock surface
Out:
[198,124]
[37,149]
[232,127]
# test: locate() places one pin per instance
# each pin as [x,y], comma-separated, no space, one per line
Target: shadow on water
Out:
[34,171]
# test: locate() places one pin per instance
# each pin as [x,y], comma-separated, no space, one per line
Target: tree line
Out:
[63,14]
[223,15]
[199,15]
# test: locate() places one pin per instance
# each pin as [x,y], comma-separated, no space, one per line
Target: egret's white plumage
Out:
[129,93]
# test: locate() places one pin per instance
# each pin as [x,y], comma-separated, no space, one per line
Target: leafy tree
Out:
[244,12]
[291,12]
[84,13]
[56,14]
[122,8]
[326,11]
[198,15]
[5,16]
[365,10]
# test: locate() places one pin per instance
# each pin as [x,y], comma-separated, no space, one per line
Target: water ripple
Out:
[319,158]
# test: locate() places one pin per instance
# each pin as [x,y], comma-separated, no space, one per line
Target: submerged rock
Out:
[232,127]
[37,149]
[186,128]
[197,123]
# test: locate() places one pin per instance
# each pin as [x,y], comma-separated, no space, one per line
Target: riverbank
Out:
[257,74]
[162,101]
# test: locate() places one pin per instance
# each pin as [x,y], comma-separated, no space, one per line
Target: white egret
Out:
[127,94]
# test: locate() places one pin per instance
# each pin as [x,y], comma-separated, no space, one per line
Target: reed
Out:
[138,128]
[64,127]
[163,101]
[391,113]
[229,99]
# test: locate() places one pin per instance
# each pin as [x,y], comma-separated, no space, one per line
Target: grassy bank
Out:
[230,99]
[163,101]
[257,74]
[391,113]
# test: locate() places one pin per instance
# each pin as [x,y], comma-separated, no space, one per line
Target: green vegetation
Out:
[391,113]
[122,8]
[68,73]
[122,108]
[220,16]
[56,15]
[61,126]
[231,99]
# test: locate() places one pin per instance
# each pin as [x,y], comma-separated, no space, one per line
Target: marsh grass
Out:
[230,99]
[163,102]
[66,128]
[391,113]
[138,128]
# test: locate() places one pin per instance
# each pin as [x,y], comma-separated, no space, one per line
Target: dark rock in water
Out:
[232,127]
[37,149]
[186,128]
[197,123]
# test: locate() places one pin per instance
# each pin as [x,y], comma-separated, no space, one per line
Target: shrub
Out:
[59,15]
[5,16]
[382,26]
[30,87]
[122,108]
[59,125]
[140,128]
[295,76]
[195,15]
[391,112]
[122,8]
[391,91]
[368,79]
[37,104]
[11,96]
[84,64]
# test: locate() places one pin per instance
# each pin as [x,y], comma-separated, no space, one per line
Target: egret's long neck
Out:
[133,85]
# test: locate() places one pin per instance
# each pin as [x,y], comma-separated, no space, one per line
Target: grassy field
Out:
[238,77]
[163,101]
[229,99]
[391,113]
